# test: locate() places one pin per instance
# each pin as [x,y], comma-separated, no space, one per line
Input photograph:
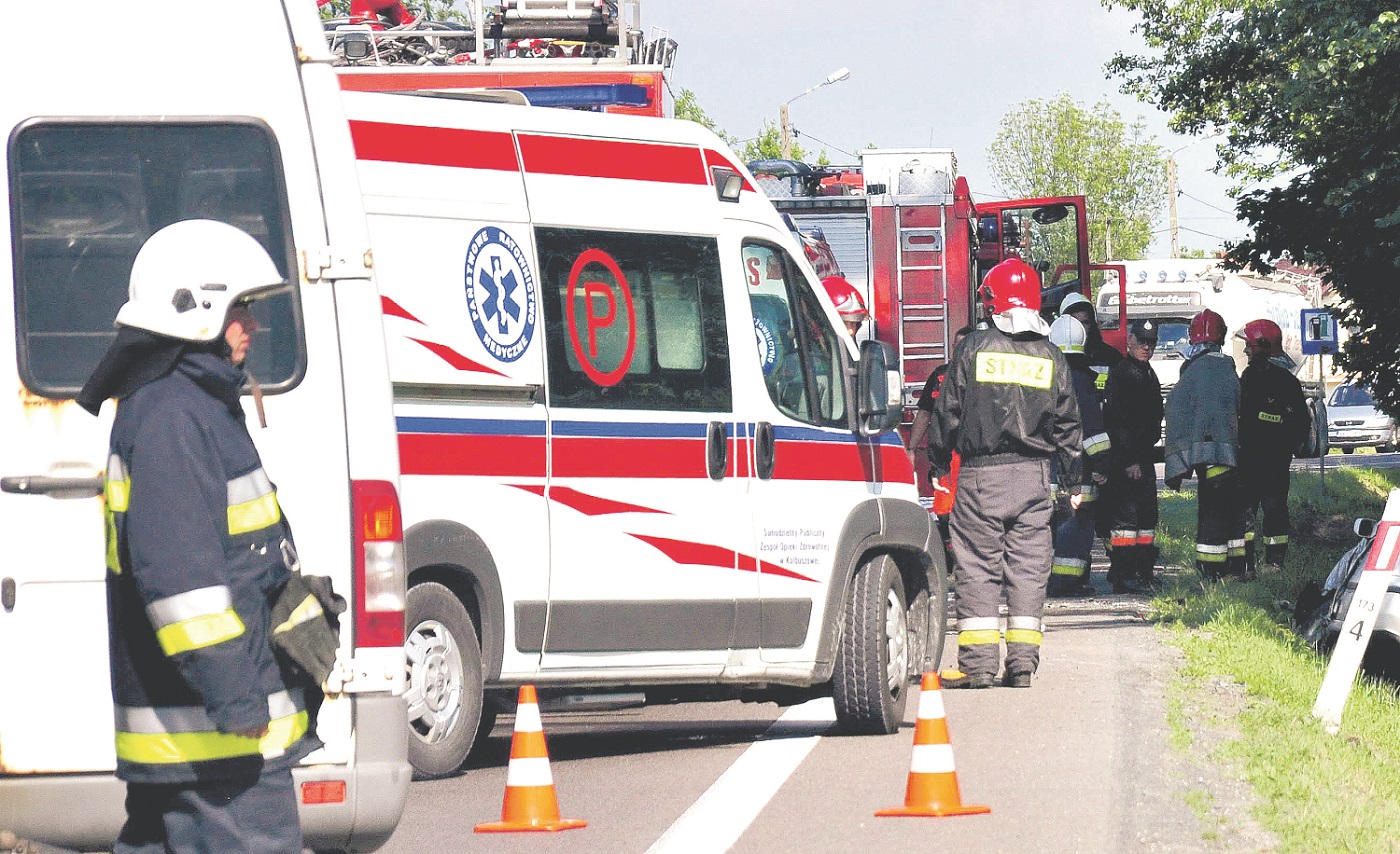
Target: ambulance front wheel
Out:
[444,681]
[871,679]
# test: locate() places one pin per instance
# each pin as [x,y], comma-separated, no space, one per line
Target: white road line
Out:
[720,816]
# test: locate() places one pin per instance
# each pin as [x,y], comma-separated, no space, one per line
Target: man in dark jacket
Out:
[1274,421]
[1007,407]
[208,724]
[1133,415]
[1203,424]
[1074,531]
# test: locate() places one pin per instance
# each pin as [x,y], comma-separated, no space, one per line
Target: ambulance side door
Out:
[647,513]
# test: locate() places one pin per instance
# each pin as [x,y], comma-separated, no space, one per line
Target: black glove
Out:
[305,625]
[1062,505]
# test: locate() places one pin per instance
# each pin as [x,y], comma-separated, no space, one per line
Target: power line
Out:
[796,132]
[1232,214]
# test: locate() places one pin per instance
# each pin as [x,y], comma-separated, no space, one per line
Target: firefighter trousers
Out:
[1132,525]
[1001,543]
[1074,541]
[1219,522]
[248,817]
[1265,486]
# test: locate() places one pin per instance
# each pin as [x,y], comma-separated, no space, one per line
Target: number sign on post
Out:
[1360,618]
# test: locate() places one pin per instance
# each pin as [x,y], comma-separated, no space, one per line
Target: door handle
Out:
[716,450]
[763,450]
[54,487]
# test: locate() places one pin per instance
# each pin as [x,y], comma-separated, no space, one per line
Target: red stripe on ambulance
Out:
[704,554]
[430,146]
[472,455]
[604,158]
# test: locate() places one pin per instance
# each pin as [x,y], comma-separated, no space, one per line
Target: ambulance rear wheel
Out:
[444,681]
[871,680]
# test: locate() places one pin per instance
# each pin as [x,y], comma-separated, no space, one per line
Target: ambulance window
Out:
[799,352]
[88,195]
[636,321]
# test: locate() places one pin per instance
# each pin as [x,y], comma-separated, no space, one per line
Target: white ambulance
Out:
[187,110]
[640,456]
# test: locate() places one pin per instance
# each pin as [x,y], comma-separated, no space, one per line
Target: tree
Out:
[688,108]
[1059,147]
[768,145]
[1307,95]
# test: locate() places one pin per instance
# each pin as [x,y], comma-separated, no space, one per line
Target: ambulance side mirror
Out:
[879,390]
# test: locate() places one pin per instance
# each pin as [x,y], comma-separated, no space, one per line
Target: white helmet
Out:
[1072,300]
[188,275]
[1068,334]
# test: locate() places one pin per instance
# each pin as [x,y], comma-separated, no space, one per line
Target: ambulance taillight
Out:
[381,579]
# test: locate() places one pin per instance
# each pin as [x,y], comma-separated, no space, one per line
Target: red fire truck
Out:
[557,53]
[905,231]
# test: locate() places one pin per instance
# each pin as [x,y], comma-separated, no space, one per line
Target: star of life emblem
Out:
[500,294]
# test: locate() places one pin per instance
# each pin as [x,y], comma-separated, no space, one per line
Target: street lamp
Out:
[834,77]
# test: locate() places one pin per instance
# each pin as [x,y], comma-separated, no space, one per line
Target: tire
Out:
[444,681]
[870,684]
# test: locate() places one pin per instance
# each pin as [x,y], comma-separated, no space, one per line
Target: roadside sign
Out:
[1360,618]
[1319,329]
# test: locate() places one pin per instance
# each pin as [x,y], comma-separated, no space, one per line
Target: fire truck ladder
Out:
[922,289]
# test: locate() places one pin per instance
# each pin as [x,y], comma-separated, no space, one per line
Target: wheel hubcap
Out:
[434,692]
[896,642]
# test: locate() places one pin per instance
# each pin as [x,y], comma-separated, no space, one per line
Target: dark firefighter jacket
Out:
[1203,415]
[194,556]
[1097,442]
[1101,354]
[1007,398]
[1132,412]
[1274,415]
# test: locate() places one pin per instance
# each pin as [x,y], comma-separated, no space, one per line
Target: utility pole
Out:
[1171,205]
[786,124]
[1108,240]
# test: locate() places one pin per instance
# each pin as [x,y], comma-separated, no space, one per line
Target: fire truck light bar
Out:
[587,95]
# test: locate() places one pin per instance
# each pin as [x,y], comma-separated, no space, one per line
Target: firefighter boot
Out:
[1249,567]
[1120,569]
[1146,564]
[1274,553]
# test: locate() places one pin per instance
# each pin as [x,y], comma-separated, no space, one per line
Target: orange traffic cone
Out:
[933,782]
[530,803]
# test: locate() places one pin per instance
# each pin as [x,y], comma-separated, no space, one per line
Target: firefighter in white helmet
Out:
[848,302]
[1074,530]
[1007,407]
[209,722]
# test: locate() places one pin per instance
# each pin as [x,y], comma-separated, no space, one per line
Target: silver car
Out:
[1353,421]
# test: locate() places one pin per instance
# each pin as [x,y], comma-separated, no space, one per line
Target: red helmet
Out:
[1207,328]
[1263,334]
[846,298]
[1011,284]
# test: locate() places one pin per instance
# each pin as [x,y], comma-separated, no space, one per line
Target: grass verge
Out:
[1315,792]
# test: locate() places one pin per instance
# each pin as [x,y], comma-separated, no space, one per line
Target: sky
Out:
[925,73]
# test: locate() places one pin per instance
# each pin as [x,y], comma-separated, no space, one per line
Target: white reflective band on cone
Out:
[527,718]
[931,705]
[529,772]
[932,759]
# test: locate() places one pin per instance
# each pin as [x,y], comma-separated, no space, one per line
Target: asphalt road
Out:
[1079,762]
